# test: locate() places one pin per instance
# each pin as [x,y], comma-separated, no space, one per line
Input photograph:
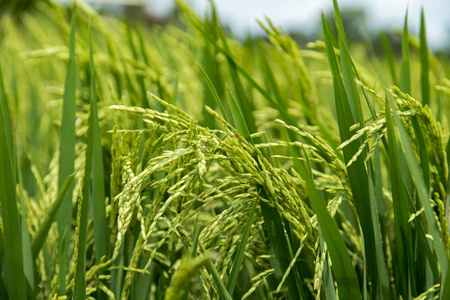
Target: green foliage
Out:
[179,163]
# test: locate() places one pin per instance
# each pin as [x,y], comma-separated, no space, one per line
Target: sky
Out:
[241,15]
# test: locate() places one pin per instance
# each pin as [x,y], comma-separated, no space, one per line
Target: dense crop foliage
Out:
[179,163]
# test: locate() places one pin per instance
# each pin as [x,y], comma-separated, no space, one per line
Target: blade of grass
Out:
[401,213]
[238,117]
[240,252]
[220,286]
[357,172]
[348,76]
[350,73]
[280,242]
[405,76]
[389,56]
[3,290]
[211,66]
[330,291]
[79,290]
[422,192]
[424,64]
[98,186]
[445,288]
[28,264]
[214,94]
[40,236]
[67,154]
[344,274]
[193,254]
[117,273]
[8,200]
[384,284]
[83,209]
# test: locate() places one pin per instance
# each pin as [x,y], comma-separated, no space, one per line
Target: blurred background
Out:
[301,18]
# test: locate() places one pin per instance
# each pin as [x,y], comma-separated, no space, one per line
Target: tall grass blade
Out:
[422,192]
[279,240]
[101,232]
[405,76]
[401,213]
[83,209]
[40,236]
[383,286]
[238,117]
[67,154]
[240,252]
[193,254]
[356,171]
[8,199]
[348,76]
[344,274]
[424,63]
[28,263]
[214,94]
[445,288]
[389,56]
[220,286]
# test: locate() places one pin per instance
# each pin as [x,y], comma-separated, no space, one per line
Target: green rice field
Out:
[176,162]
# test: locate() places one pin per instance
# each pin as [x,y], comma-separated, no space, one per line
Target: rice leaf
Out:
[240,252]
[344,274]
[401,212]
[405,76]
[192,255]
[210,65]
[389,56]
[220,286]
[445,288]
[67,153]
[238,117]
[101,231]
[422,146]
[40,236]
[348,76]
[279,240]
[424,63]
[423,193]
[8,199]
[357,172]
[83,209]
[28,263]
[214,94]
[383,285]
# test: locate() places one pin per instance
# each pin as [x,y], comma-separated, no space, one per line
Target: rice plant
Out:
[180,163]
